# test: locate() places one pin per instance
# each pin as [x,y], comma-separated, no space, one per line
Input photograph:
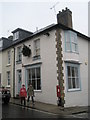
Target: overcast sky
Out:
[29,15]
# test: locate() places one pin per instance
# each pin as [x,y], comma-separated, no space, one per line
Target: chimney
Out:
[65,17]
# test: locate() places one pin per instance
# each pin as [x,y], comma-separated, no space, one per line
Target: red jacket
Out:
[23,92]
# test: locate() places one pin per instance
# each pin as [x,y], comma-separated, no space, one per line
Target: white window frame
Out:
[9,56]
[70,40]
[8,78]
[19,72]
[19,79]
[71,65]
[36,79]
[37,47]
[16,35]
[1,43]
[19,54]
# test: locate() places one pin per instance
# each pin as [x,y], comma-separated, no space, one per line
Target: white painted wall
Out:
[49,70]
[77,98]
[47,93]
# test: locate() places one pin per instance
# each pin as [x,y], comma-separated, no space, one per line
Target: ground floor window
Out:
[8,78]
[73,76]
[34,77]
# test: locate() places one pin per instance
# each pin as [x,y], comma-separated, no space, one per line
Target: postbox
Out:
[58,91]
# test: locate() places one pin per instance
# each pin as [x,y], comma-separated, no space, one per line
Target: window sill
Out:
[18,62]
[37,90]
[8,65]
[8,86]
[72,52]
[73,90]
[36,57]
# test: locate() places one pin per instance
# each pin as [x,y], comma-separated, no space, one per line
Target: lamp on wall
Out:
[86,62]
[47,34]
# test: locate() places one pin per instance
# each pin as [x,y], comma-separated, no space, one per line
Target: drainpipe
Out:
[14,72]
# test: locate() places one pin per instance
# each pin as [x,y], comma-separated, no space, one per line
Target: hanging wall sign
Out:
[26,51]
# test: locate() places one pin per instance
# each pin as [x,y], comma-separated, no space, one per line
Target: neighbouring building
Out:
[88,53]
[6,66]
[54,55]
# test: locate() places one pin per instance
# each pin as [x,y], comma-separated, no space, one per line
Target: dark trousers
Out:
[23,99]
[29,98]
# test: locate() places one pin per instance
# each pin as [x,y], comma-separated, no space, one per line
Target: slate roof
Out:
[45,30]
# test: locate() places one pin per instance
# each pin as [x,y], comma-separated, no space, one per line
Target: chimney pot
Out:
[66,8]
[62,10]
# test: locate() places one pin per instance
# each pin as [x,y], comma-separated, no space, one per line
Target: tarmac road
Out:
[16,111]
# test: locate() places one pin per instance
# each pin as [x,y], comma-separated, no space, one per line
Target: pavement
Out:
[52,108]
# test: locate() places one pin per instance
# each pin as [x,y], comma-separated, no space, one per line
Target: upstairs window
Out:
[71,44]
[15,35]
[19,54]
[1,43]
[37,47]
[9,57]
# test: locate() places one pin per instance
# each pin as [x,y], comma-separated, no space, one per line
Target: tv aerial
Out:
[53,7]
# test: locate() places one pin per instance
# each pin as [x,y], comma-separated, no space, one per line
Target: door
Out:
[19,80]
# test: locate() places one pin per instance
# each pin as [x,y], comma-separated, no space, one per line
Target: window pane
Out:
[73,72]
[69,83]
[33,73]
[37,47]
[76,71]
[1,43]
[38,84]
[73,47]
[34,84]
[19,76]
[67,45]
[73,38]
[8,78]
[37,51]
[9,57]
[69,72]
[29,74]
[38,72]
[76,49]
[19,53]
[77,83]
[38,43]
[16,36]
[73,82]
[29,81]
[67,36]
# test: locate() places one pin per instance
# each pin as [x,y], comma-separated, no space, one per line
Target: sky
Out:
[30,15]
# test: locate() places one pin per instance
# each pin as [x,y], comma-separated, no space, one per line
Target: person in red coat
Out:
[23,94]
